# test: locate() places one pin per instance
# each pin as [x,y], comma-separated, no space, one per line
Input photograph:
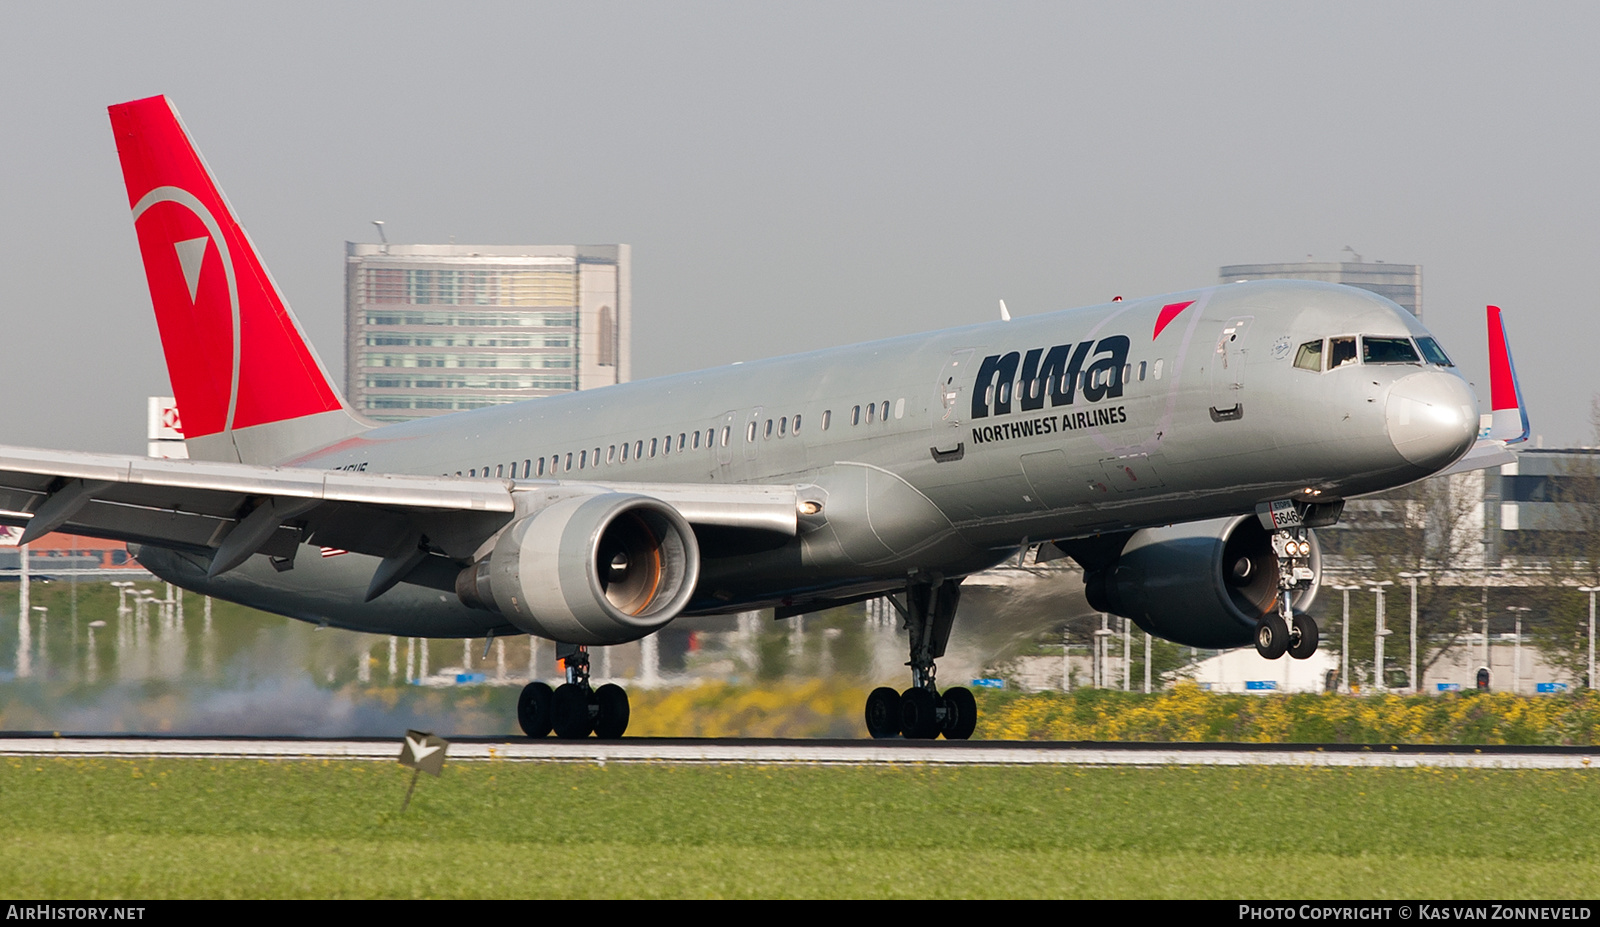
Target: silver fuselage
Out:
[1206,418]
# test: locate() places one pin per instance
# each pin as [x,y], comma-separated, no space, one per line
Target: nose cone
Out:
[1432,418]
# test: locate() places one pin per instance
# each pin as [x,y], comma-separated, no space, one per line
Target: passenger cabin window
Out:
[1388,351]
[652,447]
[769,428]
[1309,357]
[783,426]
[827,418]
[727,431]
[1434,353]
[1341,351]
[1160,362]
[797,424]
[883,410]
[871,411]
[855,415]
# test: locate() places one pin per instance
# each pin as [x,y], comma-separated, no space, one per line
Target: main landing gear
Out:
[921,712]
[573,709]
[1285,630]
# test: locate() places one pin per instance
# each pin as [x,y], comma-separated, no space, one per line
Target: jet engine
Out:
[601,569]
[1202,584]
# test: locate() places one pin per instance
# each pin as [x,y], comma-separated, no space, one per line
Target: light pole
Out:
[1516,647]
[1127,654]
[1378,634]
[1102,653]
[1591,590]
[1416,684]
[1344,641]
[1147,662]
[44,626]
[122,597]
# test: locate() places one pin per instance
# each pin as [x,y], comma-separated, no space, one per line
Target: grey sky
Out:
[794,176]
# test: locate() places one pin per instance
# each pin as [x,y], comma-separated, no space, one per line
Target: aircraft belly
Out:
[327,590]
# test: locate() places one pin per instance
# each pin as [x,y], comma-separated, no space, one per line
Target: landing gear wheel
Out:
[919,719]
[1303,637]
[883,713]
[533,709]
[960,713]
[1272,636]
[569,712]
[612,717]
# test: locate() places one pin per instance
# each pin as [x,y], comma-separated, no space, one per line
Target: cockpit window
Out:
[1309,357]
[1342,351]
[1376,350]
[1434,353]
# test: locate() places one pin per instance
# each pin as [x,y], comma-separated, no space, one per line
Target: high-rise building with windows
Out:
[431,329]
[1399,282]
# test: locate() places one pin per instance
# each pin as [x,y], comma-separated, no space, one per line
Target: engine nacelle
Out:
[602,569]
[1203,584]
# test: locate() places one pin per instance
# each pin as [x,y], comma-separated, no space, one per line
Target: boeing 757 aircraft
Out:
[1180,448]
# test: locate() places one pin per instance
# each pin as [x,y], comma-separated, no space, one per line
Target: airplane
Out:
[1180,448]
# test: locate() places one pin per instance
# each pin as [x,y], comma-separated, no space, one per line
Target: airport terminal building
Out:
[432,329]
[1399,282]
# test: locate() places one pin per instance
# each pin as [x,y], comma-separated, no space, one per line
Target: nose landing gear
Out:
[1285,630]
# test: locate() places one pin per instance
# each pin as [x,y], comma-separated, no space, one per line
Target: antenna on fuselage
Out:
[1005,316]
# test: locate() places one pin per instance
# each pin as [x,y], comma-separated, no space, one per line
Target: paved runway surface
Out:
[816,752]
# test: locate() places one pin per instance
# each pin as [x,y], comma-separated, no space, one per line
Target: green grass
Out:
[103,828]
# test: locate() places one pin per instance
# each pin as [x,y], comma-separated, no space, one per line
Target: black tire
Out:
[961,714]
[612,718]
[1272,636]
[1303,636]
[569,712]
[883,713]
[919,718]
[533,709]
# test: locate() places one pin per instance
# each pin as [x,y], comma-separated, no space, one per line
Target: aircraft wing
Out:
[1506,424]
[232,510]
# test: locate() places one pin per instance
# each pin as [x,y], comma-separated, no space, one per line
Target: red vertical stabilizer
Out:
[249,385]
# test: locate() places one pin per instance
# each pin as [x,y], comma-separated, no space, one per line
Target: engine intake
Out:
[1202,584]
[602,569]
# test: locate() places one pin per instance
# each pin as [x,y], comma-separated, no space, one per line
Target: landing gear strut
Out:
[1285,630]
[574,709]
[922,712]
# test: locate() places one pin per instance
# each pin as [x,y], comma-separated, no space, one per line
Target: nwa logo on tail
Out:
[1095,368]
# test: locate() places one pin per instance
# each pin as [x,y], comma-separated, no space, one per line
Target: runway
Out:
[812,752]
